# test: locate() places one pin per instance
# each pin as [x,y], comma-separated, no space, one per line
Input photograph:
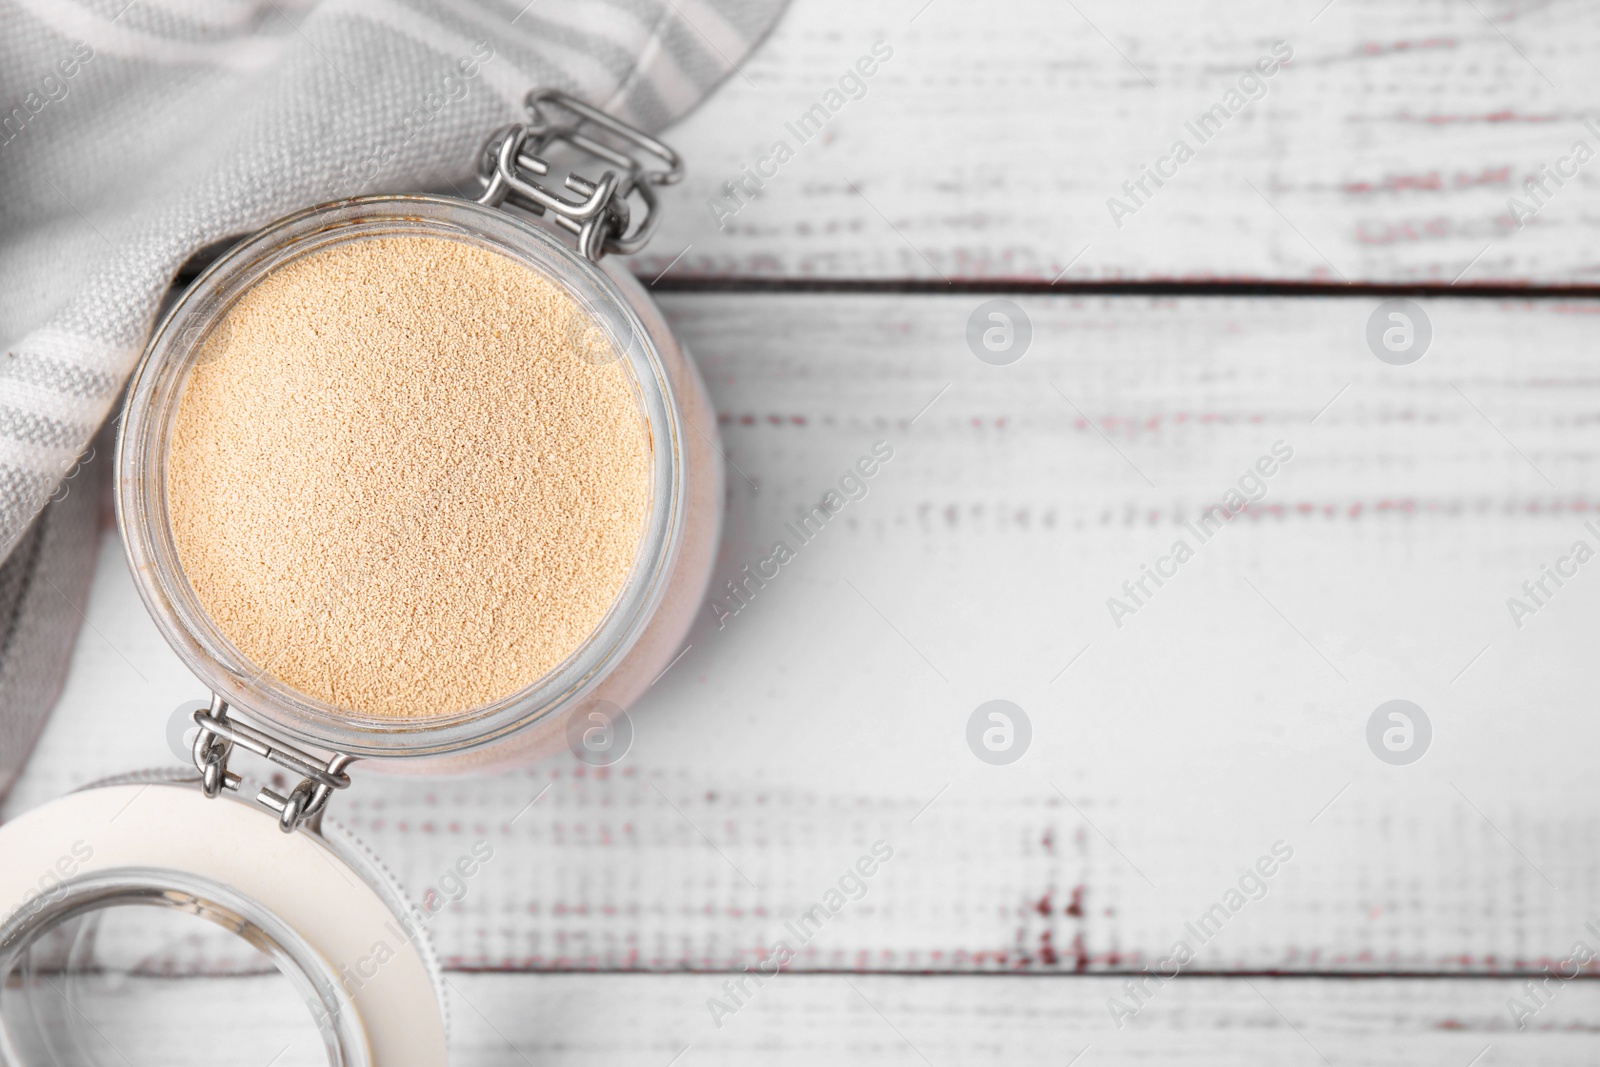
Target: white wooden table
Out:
[1228,713]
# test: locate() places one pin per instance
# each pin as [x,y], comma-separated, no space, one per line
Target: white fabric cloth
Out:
[133,134]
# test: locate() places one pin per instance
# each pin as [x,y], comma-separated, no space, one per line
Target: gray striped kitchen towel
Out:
[135,132]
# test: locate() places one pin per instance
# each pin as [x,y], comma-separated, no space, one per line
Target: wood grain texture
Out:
[946,1021]
[1168,755]
[989,145]
[654,1020]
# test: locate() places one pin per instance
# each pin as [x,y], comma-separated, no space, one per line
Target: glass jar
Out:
[300,892]
[646,624]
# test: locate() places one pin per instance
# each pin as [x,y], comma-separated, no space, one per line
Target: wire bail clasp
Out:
[218,735]
[601,220]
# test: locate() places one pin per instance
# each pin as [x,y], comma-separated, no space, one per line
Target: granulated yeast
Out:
[406,486]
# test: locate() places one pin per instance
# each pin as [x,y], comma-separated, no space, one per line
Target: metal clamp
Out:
[303,804]
[602,218]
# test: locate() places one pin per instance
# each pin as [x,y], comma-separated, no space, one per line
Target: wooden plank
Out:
[1169,754]
[945,1021]
[581,1020]
[991,142]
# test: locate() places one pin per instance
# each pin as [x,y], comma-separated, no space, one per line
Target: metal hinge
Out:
[602,220]
[303,804]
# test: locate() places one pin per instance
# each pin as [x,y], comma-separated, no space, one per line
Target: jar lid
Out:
[315,903]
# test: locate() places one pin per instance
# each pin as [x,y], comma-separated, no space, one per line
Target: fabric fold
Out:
[133,135]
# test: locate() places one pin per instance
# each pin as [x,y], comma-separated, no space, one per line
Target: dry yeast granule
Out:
[405,486]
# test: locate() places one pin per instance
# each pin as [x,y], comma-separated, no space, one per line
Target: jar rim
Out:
[144,444]
[310,975]
[311,901]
